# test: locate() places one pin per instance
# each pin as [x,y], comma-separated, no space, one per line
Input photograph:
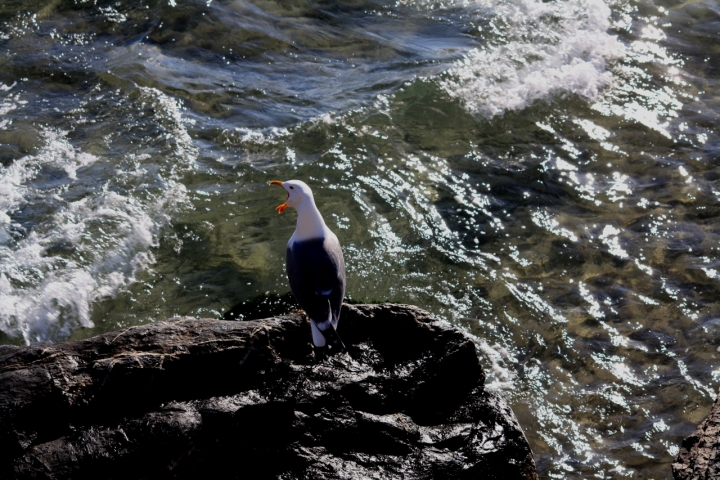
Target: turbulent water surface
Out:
[545,175]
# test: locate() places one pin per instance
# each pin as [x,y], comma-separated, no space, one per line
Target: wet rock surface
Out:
[699,456]
[198,398]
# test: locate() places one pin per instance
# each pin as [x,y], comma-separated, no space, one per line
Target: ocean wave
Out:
[536,51]
[66,243]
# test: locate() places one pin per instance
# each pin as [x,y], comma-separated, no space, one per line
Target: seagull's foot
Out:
[333,342]
[336,348]
[320,353]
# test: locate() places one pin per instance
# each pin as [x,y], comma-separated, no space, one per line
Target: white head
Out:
[298,193]
[310,223]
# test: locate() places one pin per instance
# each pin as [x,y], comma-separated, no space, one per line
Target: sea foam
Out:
[67,242]
[535,51]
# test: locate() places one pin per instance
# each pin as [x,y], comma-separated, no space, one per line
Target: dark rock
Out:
[197,398]
[699,457]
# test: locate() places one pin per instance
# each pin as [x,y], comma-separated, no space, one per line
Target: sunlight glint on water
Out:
[541,174]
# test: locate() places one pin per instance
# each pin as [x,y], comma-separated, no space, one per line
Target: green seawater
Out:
[544,175]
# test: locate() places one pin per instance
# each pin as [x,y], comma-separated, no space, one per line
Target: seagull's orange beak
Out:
[280,208]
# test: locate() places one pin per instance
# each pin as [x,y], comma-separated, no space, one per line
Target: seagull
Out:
[315,268]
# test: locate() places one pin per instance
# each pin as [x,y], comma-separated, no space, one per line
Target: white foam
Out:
[168,112]
[14,191]
[80,250]
[545,50]
[501,375]
[8,104]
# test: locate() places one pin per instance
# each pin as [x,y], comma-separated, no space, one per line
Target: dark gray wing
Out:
[316,271]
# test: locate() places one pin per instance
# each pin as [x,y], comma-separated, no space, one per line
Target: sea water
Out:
[545,175]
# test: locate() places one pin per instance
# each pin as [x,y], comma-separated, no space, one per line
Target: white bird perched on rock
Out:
[315,268]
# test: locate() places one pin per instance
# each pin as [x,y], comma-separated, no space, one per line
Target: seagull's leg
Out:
[319,354]
[332,340]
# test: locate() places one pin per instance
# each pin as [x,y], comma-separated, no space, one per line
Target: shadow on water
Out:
[272,305]
[262,306]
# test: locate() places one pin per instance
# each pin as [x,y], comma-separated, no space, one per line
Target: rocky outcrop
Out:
[699,457]
[198,398]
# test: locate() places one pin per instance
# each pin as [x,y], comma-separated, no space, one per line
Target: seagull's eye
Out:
[292,188]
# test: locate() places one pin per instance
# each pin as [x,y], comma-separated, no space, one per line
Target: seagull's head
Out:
[297,193]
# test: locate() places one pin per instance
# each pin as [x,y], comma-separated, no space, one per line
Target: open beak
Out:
[280,208]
